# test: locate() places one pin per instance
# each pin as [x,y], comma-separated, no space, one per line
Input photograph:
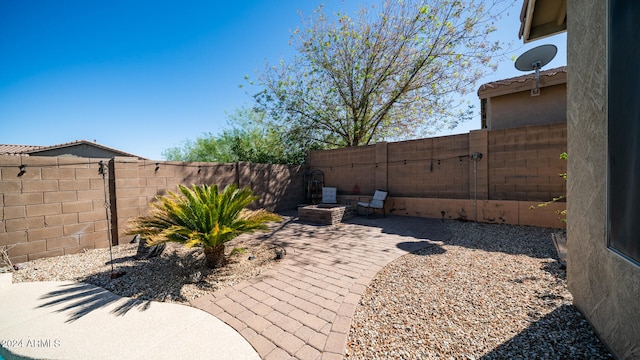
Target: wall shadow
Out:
[406,226]
[416,233]
[424,248]
[530,241]
[411,235]
[561,334]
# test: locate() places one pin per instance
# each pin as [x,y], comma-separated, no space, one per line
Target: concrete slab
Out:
[5,279]
[68,320]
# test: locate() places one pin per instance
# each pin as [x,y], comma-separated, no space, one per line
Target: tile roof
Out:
[551,73]
[7,149]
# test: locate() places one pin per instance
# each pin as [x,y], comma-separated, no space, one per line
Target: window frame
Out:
[613,218]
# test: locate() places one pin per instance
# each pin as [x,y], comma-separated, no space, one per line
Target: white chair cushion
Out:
[329,195]
[379,195]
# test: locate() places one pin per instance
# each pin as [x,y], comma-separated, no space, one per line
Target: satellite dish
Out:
[535,59]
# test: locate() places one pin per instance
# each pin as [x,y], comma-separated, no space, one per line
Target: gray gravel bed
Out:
[491,292]
[178,275]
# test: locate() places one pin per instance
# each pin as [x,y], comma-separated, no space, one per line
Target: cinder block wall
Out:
[57,206]
[524,163]
[350,170]
[521,164]
[280,187]
[138,182]
[433,168]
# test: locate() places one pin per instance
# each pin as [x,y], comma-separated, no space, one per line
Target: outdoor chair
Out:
[377,202]
[329,195]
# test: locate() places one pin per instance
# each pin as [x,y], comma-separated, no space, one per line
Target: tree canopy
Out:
[393,71]
[250,138]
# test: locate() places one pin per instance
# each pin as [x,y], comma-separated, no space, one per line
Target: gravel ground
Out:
[178,275]
[492,292]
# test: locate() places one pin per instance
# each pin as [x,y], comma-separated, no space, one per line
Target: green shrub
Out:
[201,216]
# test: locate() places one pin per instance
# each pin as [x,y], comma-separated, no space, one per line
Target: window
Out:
[623,122]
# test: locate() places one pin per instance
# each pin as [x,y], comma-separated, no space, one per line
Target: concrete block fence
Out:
[53,206]
[438,177]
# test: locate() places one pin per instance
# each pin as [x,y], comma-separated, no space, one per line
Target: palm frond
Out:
[201,216]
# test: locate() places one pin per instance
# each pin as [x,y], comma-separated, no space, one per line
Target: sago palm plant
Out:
[201,216]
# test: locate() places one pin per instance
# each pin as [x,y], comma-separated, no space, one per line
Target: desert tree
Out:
[248,137]
[392,71]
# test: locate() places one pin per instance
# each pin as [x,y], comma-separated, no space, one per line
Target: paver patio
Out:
[302,307]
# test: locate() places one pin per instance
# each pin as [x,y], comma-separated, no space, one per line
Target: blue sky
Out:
[144,76]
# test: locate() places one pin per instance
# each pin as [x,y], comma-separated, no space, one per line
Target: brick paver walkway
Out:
[302,307]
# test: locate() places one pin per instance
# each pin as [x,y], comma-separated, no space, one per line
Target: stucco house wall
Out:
[510,103]
[605,286]
[522,109]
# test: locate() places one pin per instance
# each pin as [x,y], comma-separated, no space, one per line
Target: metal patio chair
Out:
[377,202]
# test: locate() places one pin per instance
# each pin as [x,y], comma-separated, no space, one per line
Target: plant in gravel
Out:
[238,250]
[202,216]
[4,255]
[562,213]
